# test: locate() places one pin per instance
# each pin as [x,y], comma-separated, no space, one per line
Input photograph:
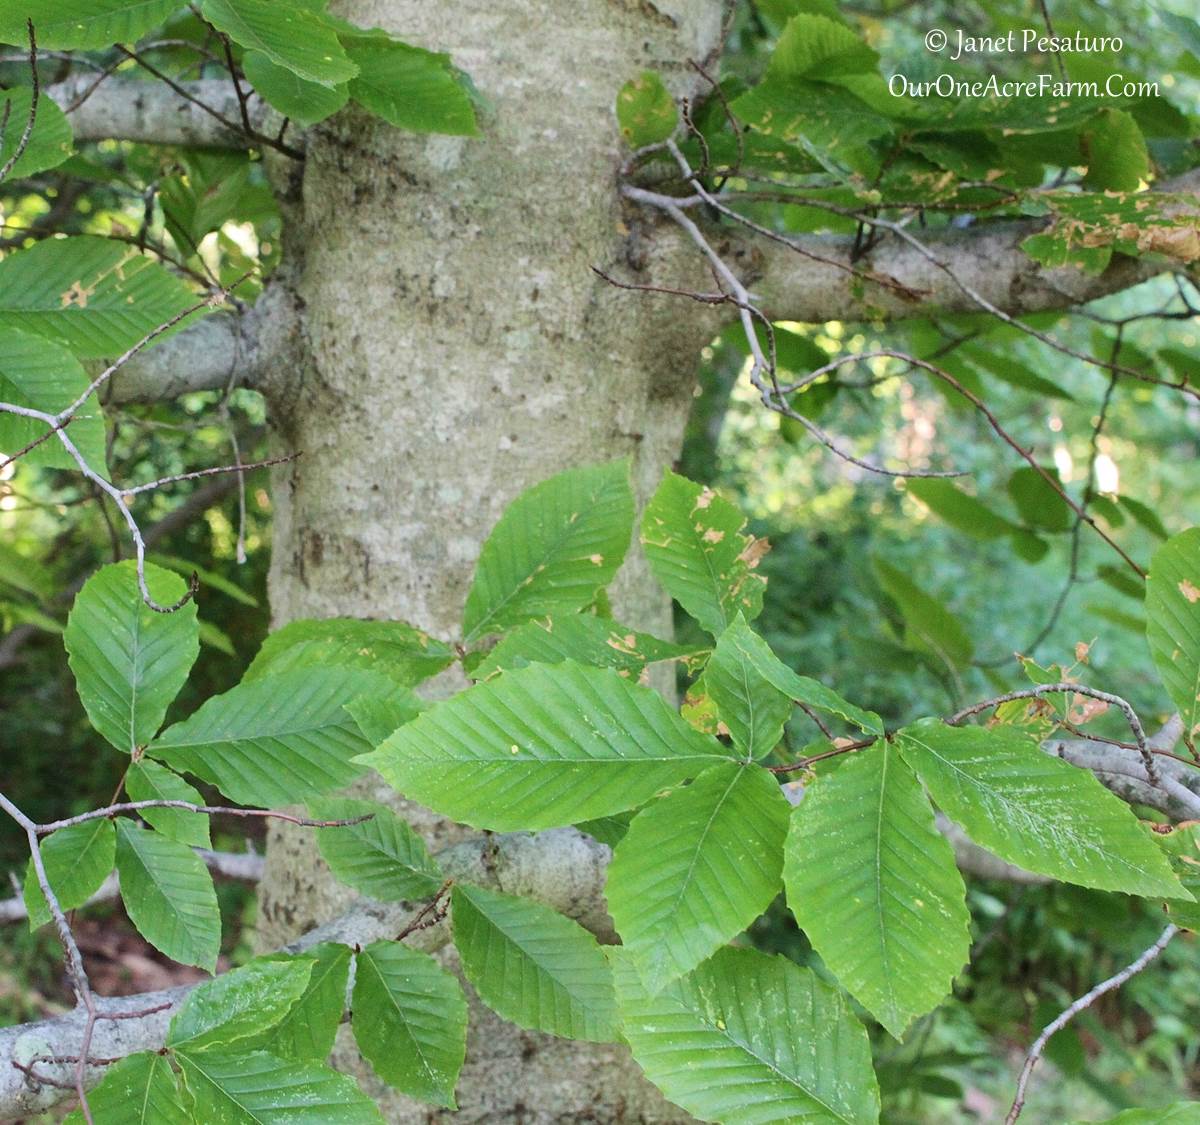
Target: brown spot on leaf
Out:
[1189,591]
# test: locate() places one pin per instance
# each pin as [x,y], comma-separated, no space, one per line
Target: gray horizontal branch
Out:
[243,866]
[131,109]
[987,257]
[224,349]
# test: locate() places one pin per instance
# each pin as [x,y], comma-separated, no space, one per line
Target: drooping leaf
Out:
[293,36]
[1115,152]
[1146,516]
[168,894]
[305,102]
[541,747]
[959,509]
[694,543]
[696,868]
[929,626]
[803,689]
[1035,810]
[307,1029]
[139,1090]
[95,296]
[410,1021]
[238,1005]
[49,141]
[581,637]
[1173,622]
[646,111]
[77,860]
[41,374]
[277,740]
[553,549]
[129,660]
[391,648]
[747,1038]
[146,780]
[69,25]
[1036,499]
[256,1088]
[874,885]
[381,857]
[752,708]
[408,87]
[534,966]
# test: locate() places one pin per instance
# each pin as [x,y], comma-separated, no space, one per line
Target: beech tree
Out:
[473,300]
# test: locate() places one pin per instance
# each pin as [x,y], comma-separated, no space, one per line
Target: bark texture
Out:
[453,348]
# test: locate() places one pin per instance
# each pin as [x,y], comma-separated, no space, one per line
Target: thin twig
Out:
[35,94]
[217,810]
[1085,1001]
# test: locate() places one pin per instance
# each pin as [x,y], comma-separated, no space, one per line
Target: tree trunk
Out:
[452,348]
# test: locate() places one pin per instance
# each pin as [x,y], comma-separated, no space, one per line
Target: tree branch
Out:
[127,109]
[222,351]
[817,278]
[246,867]
[562,868]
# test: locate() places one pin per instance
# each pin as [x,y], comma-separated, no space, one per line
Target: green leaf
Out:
[1181,846]
[379,716]
[77,860]
[42,375]
[1115,152]
[410,1021]
[95,296]
[168,894]
[803,689]
[928,625]
[1144,515]
[282,739]
[256,1088]
[297,38]
[146,780]
[813,46]
[874,885]
[130,661]
[238,1005]
[68,25]
[1035,810]
[410,88]
[553,549]
[308,1028]
[49,140]
[381,857]
[608,830]
[1003,365]
[1173,622]
[753,709]
[391,648]
[749,1038]
[959,509]
[696,868]
[139,1090]
[533,966]
[542,747]
[581,637]
[646,111]
[694,543]
[303,101]
[1036,499]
